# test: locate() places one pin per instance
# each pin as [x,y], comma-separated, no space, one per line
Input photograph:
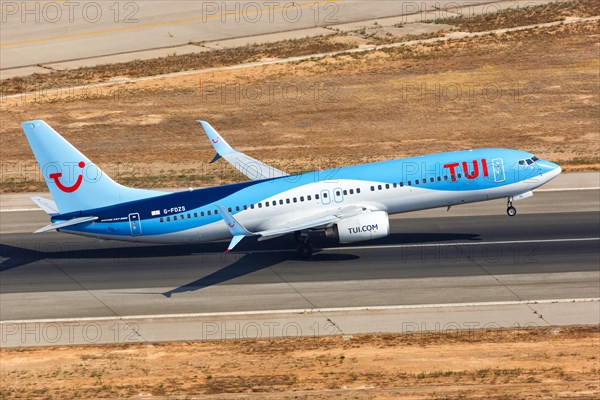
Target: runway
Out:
[475,268]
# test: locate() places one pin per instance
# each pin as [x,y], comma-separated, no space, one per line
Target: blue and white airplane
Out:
[349,204]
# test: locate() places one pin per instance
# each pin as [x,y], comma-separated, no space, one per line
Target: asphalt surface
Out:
[44,32]
[423,261]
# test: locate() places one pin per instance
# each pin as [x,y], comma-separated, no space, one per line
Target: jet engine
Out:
[365,226]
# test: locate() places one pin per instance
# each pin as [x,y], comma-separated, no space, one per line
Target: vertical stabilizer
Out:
[75,182]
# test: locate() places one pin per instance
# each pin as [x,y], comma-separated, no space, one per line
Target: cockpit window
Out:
[521,162]
[534,158]
[529,161]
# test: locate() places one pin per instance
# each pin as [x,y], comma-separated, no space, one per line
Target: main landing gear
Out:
[305,249]
[510,210]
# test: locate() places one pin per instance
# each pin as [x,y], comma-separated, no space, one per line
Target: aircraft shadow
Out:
[249,264]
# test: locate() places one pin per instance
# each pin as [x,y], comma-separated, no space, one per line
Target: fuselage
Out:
[396,186]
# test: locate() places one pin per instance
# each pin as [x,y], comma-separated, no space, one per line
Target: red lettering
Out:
[475,170]
[452,167]
[485,167]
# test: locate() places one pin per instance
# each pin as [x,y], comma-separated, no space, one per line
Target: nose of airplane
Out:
[549,169]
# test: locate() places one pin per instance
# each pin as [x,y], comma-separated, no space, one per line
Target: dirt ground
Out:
[537,90]
[502,364]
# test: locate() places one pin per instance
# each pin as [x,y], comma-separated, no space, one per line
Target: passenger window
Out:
[324,195]
[445,177]
[245,207]
[317,196]
[237,208]
[280,202]
[168,219]
[209,213]
[387,185]
[394,185]
[161,219]
[174,217]
[357,191]
[195,215]
[431,180]
[229,209]
[267,204]
[216,212]
[274,202]
[439,179]
[308,198]
[459,176]
[401,184]
[345,192]
[202,213]
[453,177]
[409,183]
[252,206]
[301,198]
[295,199]
[372,188]
[351,191]
[260,205]
[416,181]
[287,201]
[379,187]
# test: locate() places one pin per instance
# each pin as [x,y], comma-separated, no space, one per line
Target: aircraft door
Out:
[498,168]
[135,224]
[338,195]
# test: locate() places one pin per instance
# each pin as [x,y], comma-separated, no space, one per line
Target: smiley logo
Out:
[231,225]
[68,189]
[215,141]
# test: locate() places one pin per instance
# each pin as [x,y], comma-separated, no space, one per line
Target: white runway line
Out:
[305,311]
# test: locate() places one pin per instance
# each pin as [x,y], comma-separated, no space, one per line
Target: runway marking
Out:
[157,24]
[311,311]
[567,189]
[396,246]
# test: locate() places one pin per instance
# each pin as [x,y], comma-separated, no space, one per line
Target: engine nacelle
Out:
[365,226]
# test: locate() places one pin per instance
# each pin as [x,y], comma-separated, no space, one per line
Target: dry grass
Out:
[522,16]
[174,63]
[494,364]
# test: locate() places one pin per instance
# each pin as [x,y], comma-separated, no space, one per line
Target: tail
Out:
[76,184]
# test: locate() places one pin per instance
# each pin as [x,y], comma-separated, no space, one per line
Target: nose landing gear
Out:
[510,210]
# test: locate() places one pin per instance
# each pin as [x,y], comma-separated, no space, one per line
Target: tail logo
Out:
[215,141]
[68,189]
[231,225]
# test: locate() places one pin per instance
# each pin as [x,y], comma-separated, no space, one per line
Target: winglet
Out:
[238,231]
[220,145]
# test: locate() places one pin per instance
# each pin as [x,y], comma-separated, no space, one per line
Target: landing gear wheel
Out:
[511,211]
[305,250]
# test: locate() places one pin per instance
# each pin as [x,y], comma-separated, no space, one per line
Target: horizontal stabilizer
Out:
[49,206]
[64,224]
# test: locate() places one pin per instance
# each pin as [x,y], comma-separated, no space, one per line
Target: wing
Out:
[251,167]
[311,221]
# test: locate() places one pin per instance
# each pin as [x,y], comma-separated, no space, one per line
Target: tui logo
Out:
[68,189]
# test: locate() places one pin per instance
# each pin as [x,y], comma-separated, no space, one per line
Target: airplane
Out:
[349,204]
